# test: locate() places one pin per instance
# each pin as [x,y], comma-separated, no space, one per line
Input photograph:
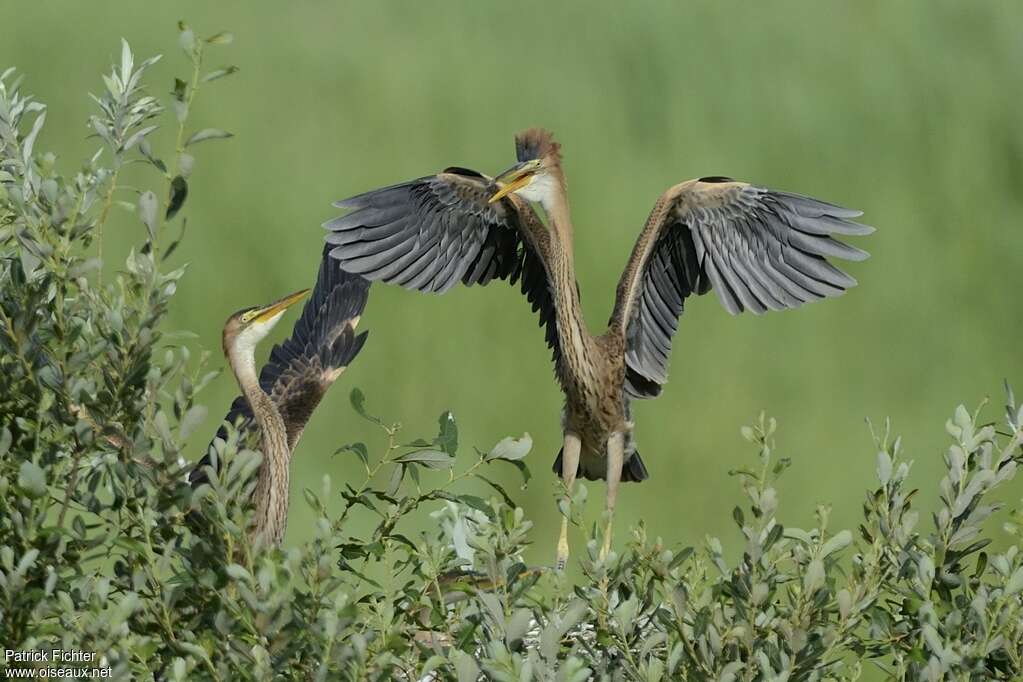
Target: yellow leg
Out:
[615,462]
[569,468]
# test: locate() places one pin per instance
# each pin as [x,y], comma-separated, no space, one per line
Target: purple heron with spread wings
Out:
[758,249]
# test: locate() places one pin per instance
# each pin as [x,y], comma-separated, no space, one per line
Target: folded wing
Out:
[301,370]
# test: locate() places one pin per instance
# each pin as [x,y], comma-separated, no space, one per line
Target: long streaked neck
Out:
[571,325]
[272,487]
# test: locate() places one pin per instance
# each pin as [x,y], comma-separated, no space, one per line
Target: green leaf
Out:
[431,459]
[358,401]
[511,449]
[447,437]
[359,449]
[32,480]
[207,134]
[5,440]
[523,471]
[396,477]
[178,193]
[147,151]
[222,38]
[219,73]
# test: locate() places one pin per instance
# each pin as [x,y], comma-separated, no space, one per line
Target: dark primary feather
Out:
[759,249]
[302,368]
[430,233]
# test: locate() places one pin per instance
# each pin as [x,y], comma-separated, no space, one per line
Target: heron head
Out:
[536,175]
[249,326]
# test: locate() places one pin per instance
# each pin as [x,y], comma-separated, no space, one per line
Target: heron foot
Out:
[605,548]
[562,558]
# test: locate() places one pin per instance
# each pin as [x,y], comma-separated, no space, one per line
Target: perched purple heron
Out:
[758,249]
[292,383]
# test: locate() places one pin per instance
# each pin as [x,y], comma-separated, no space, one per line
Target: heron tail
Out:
[633,471]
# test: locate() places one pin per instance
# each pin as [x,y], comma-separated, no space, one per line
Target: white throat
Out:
[541,189]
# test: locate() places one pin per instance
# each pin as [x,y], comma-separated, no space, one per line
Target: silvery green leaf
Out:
[30,139]
[626,613]
[511,449]
[493,605]
[147,212]
[925,568]
[137,138]
[517,626]
[432,663]
[185,164]
[844,599]
[837,542]
[163,426]
[127,61]
[884,467]
[465,667]
[186,39]
[1015,582]
[207,134]
[962,417]
[192,419]
[238,572]
[31,479]
[27,560]
[813,579]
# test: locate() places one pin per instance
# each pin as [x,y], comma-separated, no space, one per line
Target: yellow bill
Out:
[516,177]
[280,305]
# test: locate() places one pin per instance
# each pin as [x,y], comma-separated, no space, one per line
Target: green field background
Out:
[908,111]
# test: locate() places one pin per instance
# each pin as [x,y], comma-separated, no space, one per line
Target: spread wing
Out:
[431,233]
[758,249]
[321,346]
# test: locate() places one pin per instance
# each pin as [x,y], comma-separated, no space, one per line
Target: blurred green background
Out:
[909,112]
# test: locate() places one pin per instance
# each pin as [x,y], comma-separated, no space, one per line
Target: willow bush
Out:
[105,548]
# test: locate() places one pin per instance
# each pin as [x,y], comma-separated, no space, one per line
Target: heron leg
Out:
[569,467]
[615,462]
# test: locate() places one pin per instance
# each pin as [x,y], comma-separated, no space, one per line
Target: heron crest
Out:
[537,143]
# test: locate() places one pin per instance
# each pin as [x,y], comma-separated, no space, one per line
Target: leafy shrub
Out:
[104,547]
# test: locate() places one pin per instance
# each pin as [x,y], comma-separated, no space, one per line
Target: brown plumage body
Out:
[759,249]
[590,369]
